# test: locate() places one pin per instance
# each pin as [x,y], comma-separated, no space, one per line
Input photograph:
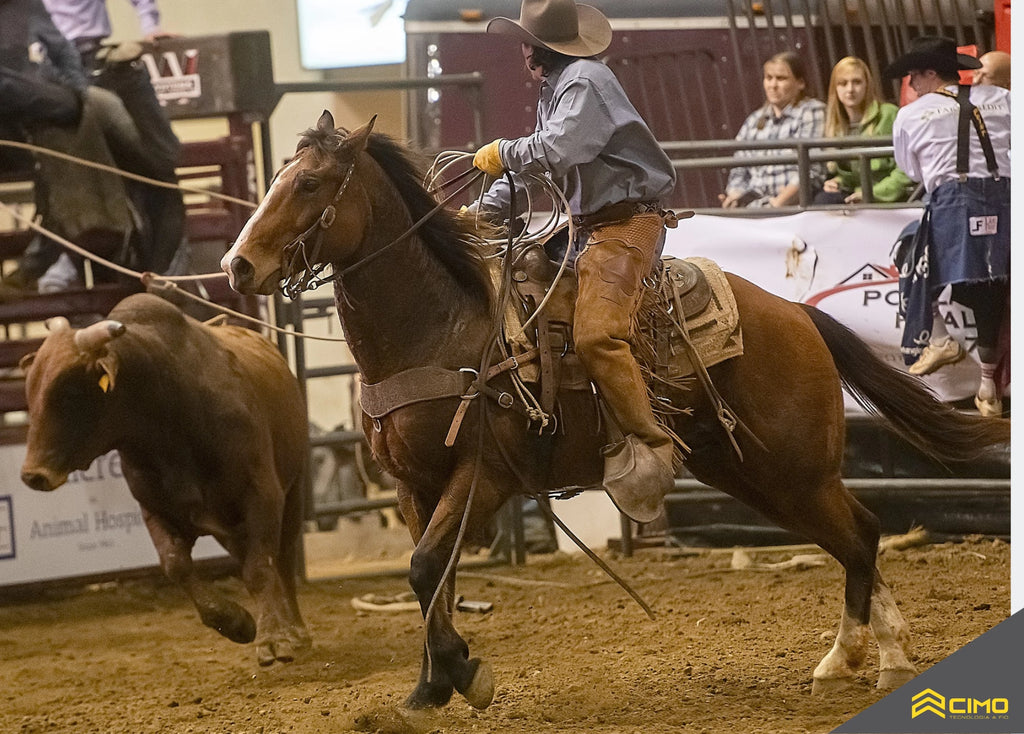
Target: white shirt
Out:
[924,136]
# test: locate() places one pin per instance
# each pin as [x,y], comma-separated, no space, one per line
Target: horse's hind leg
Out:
[893,637]
[848,531]
[844,528]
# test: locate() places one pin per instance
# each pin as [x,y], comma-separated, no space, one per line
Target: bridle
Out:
[294,253]
[303,270]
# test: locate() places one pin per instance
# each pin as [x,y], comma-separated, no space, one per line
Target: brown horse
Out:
[421,305]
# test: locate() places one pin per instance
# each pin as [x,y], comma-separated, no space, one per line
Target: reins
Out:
[412,230]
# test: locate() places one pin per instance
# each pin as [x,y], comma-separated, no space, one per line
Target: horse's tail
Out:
[936,428]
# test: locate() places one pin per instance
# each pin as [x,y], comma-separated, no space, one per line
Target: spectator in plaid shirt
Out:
[786,113]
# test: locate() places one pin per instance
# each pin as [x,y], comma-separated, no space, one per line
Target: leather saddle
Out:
[550,328]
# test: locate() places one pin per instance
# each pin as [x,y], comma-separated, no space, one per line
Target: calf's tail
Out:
[938,429]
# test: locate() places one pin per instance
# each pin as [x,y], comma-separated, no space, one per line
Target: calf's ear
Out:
[27,361]
[107,365]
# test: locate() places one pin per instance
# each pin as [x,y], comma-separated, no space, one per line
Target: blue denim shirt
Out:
[590,140]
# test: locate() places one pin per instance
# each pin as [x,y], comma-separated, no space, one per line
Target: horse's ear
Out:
[326,122]
[356,140]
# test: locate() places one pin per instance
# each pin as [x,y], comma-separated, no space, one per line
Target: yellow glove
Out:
[488,159]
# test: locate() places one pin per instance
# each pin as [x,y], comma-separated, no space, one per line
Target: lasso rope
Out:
[148,279]
[4,143]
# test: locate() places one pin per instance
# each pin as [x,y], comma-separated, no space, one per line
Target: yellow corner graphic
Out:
[928,700]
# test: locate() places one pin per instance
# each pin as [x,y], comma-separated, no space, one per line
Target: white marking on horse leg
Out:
[893,637]
[846,655]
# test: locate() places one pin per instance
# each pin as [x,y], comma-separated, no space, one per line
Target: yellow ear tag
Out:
[105,382]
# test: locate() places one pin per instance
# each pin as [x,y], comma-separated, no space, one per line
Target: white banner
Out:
[91,525]
[837,261]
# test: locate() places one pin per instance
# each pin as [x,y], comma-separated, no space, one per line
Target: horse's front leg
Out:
[446,663]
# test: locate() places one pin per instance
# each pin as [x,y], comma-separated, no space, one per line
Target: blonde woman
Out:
[855,108]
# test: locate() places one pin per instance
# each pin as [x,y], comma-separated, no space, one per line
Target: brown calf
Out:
[212,431]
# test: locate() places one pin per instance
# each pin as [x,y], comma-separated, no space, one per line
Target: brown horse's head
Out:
[316,190]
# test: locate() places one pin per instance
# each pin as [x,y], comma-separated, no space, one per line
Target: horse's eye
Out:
[309,185]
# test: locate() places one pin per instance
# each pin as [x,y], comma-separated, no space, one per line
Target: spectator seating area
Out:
[219,165]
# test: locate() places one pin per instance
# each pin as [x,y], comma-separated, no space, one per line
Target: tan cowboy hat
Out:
[931,52]
[563,26]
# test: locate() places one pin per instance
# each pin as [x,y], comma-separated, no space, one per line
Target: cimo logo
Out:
[929,701]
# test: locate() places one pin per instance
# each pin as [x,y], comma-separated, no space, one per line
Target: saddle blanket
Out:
[709,316]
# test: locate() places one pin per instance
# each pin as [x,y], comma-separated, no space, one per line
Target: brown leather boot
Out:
[639,469]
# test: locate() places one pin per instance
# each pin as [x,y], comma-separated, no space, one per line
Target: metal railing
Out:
[471,83]
[807,151]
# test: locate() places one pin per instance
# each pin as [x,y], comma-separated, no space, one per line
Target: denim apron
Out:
[964,236]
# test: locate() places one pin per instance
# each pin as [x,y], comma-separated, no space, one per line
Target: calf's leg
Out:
[278,637]
[216,611]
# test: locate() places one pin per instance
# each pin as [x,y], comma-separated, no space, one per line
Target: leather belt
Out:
[616,213]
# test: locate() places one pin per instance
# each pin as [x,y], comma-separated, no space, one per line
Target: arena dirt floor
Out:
[730,651]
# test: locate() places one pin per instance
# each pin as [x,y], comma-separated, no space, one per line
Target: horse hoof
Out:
[480,691]
[827,687]
[889,679]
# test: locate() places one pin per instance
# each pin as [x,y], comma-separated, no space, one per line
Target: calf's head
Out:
[68,386]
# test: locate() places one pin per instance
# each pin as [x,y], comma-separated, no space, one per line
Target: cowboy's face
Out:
[536,70]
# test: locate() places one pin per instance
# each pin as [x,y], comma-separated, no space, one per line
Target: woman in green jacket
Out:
[855,108]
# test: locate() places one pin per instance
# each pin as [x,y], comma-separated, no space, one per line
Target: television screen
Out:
[343,33]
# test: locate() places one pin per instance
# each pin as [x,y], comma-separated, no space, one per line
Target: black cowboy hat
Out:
[564,26]
[931,52]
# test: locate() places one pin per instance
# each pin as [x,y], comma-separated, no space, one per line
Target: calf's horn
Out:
[91,338]
[57,323]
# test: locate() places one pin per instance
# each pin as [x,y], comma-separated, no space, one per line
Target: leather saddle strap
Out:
[411,386]
[420,384]
[726,416]
[548,374]
[480,387]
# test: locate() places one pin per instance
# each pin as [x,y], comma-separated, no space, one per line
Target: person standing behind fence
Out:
[955,139]
[855,108]
[787,113]
[44,91]
[86,24]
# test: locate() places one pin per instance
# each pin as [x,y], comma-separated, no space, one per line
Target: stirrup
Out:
[635,479]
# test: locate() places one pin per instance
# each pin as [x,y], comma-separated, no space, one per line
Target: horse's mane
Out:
[450,239]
